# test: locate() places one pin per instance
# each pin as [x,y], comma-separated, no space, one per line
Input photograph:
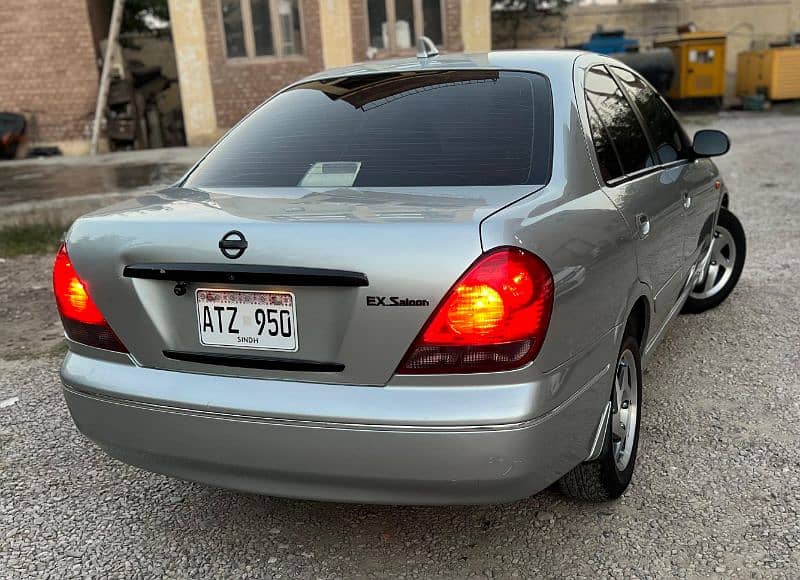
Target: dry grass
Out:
[32,238]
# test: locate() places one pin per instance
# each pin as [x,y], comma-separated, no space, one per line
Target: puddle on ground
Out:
[43,182]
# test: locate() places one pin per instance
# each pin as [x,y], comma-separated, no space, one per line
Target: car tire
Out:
[724,268]
[608,476]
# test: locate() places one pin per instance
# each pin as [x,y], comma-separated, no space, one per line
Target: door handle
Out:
[644,225]
[687,200]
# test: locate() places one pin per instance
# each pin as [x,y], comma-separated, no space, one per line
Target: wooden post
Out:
[102,93]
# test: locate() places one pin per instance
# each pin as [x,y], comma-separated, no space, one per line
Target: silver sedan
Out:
[427,280]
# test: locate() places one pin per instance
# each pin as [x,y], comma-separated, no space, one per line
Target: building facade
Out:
[49,71]
[233,54]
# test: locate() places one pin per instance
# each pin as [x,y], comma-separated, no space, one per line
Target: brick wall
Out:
[452,25]
[358,28]
[239,85]
[359,23]
[48,70]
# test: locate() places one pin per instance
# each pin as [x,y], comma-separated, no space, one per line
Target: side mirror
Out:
[710,143]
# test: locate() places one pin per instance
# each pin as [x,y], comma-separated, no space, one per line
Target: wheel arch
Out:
[638,321]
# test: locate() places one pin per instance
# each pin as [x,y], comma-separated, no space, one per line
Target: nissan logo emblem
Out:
[233,244]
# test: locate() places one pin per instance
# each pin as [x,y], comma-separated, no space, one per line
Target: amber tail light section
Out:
[83,322]
[493,319]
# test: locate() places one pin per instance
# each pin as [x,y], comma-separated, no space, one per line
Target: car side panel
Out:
[587,246]
[660,252]
[573,226]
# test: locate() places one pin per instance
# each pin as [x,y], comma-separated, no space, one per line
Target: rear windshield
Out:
[442,128]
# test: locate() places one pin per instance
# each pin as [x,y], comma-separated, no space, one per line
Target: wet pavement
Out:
[39,182]
[59,189]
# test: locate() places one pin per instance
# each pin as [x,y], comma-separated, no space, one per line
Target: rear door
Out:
[695,179]
[649,198]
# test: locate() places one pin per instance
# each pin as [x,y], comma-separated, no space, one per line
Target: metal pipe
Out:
[102,93]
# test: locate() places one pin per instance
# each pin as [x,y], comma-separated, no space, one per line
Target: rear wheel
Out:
[609,475]
[724,267]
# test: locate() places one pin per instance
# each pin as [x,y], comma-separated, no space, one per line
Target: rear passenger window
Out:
[669,140]
[607,156]
[615,128]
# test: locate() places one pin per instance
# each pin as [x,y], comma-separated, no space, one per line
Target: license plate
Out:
[247,319]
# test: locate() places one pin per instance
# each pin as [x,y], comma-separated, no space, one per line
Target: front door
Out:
[701,187]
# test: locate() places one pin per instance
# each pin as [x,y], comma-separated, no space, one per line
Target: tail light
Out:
[494,319]
[83,322]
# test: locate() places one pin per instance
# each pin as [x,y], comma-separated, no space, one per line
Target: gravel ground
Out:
[716,493]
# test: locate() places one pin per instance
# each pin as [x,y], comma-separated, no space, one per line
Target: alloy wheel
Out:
[720,265]
[624,409]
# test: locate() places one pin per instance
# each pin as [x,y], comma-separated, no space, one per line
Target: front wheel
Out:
[609,475]
[724,267]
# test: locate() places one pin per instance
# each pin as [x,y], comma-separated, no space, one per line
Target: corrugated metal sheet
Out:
[774,72]
[785,73]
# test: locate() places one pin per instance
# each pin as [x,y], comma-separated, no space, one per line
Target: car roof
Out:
[546,62]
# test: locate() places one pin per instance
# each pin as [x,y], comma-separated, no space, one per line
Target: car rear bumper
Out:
[337,461]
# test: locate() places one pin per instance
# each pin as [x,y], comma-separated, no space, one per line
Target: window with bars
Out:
[395,25]
[257,28]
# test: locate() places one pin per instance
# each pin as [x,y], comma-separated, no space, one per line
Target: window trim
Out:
[391,19]
[250,55]
[607,136]
[641,118]
[627,177]
[638,114]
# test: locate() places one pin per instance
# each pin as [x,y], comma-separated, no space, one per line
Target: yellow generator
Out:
[772,72]
[699,65]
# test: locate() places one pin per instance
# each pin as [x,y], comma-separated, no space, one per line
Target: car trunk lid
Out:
[365,269]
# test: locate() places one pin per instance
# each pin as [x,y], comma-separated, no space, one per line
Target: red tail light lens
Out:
[495,318]
[82,320]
